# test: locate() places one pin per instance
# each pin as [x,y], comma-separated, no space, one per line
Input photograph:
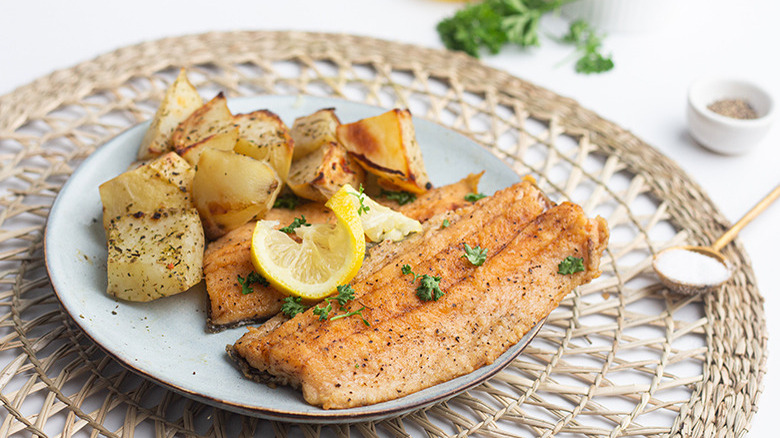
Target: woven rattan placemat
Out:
[622,356]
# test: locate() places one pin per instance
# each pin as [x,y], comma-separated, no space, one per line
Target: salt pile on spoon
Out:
[690,267]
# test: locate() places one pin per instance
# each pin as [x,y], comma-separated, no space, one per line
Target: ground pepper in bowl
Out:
[734,108]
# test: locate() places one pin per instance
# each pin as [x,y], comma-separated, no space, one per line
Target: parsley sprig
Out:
[428,289]
[296,223]
[289,201]
[357,312]
[292,306]
[493,24]
[474,197]
[588,44]
[570,265]
[476,256]
[407,270]
[251,278]
[362,208]
[401,197]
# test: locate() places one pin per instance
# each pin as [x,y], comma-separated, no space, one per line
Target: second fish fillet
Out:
[413,344]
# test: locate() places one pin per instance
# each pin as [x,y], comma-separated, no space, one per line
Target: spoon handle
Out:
[731,233]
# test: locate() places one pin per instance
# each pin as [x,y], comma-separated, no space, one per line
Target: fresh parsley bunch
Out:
[492,24]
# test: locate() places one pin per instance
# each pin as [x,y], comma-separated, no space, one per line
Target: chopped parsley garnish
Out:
[323,312]
[570,265]
[296,223]
[407,270]
[428,290]
[445,223]
[474,197]
[289,201]
[362,208]
[401,197]
[476,256]
[344,296]
[292,306]
[357,312]
[251,278]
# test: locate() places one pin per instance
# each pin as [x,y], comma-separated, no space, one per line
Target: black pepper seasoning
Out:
[734,108]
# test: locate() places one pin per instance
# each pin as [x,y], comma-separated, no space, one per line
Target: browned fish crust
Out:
[228,257]
[435,201]
[413,344]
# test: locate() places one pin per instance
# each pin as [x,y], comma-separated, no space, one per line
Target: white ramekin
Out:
[724,134]
[624,15]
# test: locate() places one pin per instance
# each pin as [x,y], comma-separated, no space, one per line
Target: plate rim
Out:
[323,416]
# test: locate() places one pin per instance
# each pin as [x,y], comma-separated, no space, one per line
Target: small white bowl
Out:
[625,15]
[723,134]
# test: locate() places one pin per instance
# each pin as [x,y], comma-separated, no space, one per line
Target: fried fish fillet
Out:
[413,344]
[228,258]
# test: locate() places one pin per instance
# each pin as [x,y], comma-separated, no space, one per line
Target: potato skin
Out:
[214,117]
[319,175]
[312,132]
[154,255]
[386,146]
[180,101]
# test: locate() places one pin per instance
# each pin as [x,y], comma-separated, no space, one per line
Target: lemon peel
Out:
[322,257]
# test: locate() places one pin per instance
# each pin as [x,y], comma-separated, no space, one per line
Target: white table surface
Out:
[645,93]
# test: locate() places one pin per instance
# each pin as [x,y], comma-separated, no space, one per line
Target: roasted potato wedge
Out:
[155,254]
[309,133]
[385,145]
[230,189]
[223,141]
[263,136]
[320,174]
[214,117]
[165,182]
[180,101]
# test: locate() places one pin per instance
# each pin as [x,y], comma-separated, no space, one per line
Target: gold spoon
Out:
[712,251]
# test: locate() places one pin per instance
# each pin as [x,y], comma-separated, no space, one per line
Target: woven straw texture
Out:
[622,356]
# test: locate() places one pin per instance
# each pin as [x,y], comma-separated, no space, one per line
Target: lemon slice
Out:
[326,256]
[381,222]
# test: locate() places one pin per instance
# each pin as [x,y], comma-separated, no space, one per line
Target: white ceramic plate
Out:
[166,340]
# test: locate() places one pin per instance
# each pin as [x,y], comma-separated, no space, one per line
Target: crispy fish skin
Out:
[411,344]
[433,202]
[228,257]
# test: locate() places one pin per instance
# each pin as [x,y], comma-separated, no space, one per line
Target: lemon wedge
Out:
[381,222]
[326,256]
